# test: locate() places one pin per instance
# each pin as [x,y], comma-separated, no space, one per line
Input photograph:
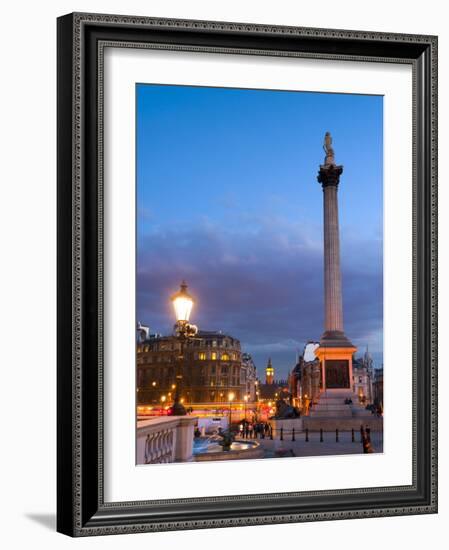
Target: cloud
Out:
[261,281]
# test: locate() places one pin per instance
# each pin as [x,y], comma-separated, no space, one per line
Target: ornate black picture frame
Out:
[81,510]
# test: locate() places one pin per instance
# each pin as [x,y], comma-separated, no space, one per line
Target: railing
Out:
[165,439]
[363,436]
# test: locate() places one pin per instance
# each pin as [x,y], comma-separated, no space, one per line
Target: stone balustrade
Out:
[165,439]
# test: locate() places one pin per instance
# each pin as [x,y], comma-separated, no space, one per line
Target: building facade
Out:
[362,378]
[211,367]
[378,388]
[306,378]
[249,375]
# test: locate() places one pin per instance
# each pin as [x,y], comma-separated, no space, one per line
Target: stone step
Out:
[330,405]
[331,413]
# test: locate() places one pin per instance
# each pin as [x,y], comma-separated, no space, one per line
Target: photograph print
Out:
[259,274]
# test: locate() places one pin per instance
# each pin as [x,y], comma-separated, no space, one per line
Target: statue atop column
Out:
[329,159]
[329,174]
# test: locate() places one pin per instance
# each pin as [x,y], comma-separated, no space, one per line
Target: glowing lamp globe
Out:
[182,304]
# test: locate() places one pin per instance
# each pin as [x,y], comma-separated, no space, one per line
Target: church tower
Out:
[269,373]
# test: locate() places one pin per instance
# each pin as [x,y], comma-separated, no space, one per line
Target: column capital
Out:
[329,175]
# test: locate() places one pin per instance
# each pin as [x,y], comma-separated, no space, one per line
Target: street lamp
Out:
[230,397]
[183,330]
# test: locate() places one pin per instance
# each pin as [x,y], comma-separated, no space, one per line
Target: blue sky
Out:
[227,198]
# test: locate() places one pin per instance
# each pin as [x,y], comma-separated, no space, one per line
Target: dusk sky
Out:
[228,199]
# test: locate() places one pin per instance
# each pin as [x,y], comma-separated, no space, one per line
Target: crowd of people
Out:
[253,430]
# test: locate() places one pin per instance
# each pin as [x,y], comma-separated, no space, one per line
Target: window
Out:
[214,343]
[225,357]
[202,356]
[213,356]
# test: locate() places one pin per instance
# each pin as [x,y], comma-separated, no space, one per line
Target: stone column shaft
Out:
[333,319]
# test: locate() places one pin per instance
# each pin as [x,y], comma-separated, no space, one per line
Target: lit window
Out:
[202,355]
[213,356]
[224,357]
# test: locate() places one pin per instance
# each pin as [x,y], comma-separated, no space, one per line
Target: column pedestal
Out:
[336,368]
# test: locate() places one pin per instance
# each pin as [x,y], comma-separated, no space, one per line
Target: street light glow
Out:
[182,304]
[231,396]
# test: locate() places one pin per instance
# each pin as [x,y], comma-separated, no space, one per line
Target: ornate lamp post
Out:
[231,398]
[183,330]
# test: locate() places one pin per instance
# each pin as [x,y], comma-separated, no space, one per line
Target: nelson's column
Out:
[335,350]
